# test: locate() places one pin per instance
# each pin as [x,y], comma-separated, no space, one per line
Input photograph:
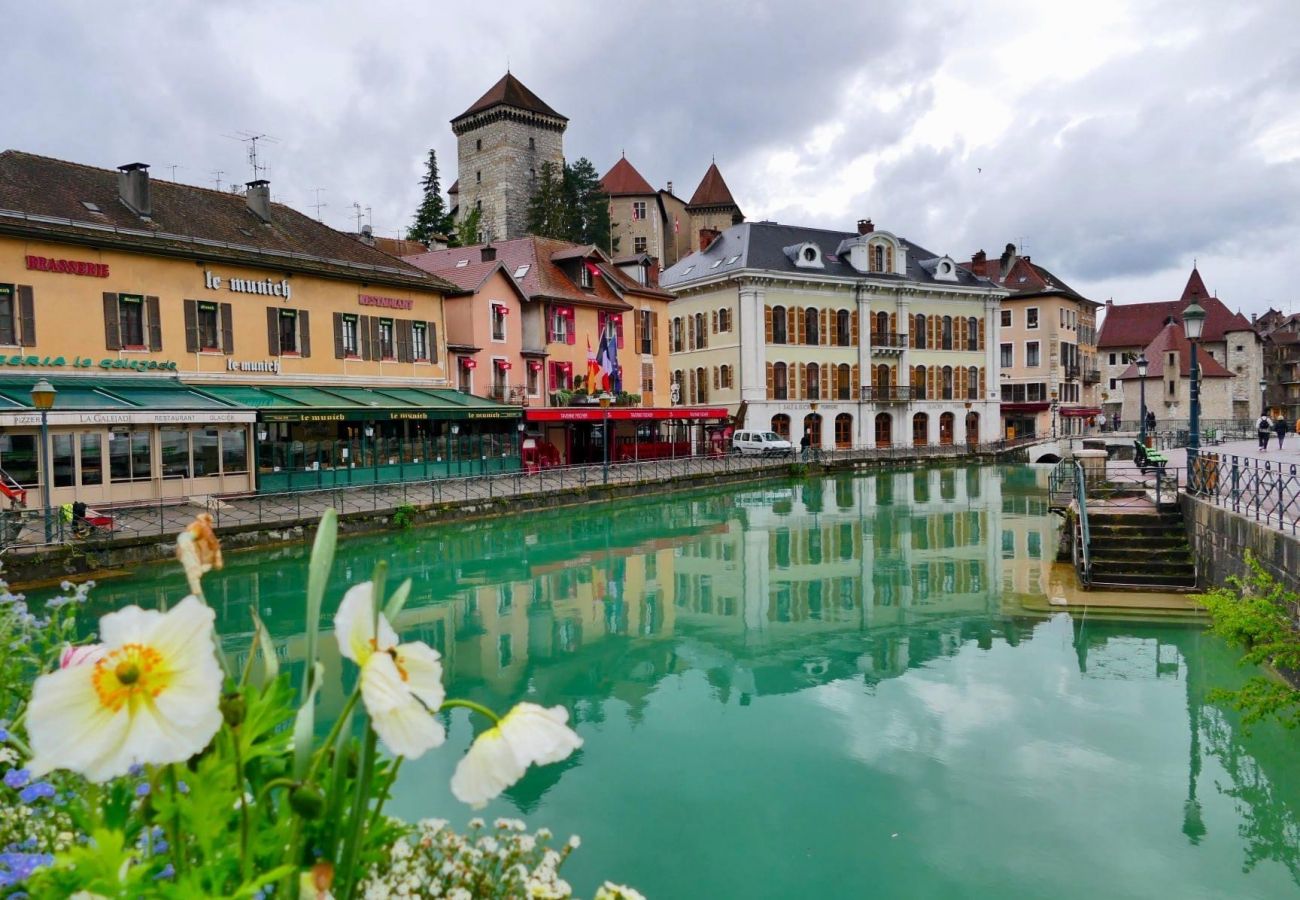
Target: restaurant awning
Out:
[1011,408]
[110,400]
[1079,412]
[618,413]
[347,403]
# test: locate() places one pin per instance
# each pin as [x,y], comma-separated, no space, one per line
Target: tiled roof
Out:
[1025,278]
[510,91]
[545,278]
[1171,337]
[713,191]
[60,200]
[624,180]
[1135,324]
[1195,289]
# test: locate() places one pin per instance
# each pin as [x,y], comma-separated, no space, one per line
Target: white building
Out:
[864,339]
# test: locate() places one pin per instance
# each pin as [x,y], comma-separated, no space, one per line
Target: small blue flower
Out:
[16,778]
[34,792]
[4,735]
[182,787]
[169,871]
[136,770]
[142,789]
[16,868]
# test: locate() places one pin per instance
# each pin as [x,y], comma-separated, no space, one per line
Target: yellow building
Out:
[194,336]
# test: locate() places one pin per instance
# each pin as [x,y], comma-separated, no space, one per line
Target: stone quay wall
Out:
[1220,538]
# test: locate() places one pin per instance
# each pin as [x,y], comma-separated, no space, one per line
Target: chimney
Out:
[259,200]
[865,226]
[367,235]
[1007,259]
[707,237]
[651,269]
[487,253]
[133,188]
[979,262]
[670,187]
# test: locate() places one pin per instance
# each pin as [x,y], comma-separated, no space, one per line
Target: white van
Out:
[761,443]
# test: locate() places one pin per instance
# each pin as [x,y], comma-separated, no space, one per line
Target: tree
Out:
[569,204]
[548,212]
[467,232]
[432,218]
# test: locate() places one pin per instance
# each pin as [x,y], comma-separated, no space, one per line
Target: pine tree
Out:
[588,205]
[548,212]
[432,218]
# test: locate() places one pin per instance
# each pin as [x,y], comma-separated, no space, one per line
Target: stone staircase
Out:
[1141,551]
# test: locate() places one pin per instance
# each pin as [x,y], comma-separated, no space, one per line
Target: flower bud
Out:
[233,708]
[307,801]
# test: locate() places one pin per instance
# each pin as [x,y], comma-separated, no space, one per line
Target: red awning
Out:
[534,364]
[469,363]
[1024,407]
[1079,412]
[503,364]
[596,414]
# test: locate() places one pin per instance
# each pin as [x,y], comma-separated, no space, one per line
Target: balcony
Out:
[1091,376]
[1071,372]
[890,394]
[515,395]
[888,342]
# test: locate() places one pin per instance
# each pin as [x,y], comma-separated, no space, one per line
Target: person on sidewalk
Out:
[1280,428]
[1263,426]
[804,443]
[1151,421]
[1115,422]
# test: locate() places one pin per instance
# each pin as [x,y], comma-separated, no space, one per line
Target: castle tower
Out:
[712,208]
[502,140]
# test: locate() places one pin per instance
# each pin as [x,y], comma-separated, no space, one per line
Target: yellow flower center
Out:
[131,671]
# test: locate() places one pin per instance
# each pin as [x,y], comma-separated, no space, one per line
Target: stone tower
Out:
[712,208]
[502,140]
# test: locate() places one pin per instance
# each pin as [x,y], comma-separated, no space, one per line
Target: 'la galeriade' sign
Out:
[86,362]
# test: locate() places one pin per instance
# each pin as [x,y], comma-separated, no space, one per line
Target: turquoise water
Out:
[843,688]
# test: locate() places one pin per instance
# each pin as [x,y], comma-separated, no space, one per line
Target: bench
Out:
[1147,457]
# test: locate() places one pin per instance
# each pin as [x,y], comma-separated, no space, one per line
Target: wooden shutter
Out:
[273,330]
[691,399]
[339,351]
[112,325]
[432,335]
[893,376]
[26,316]
[717,381]
[930,372]
[835,382]
[823,333]
[803,381]
[961,381]
[982,388]
[791,329]
[654,333]
[227,329]
[402,333]
[767,324]
[911,376]
[703,335]
[853,328]
[154,321]
[981,334]
[857,375]
[304,333]
[771,378]
[363,337]
[191,326]
[893,323]
[932,328]
[376,352]
[690,332]
[800,326]
[714,323]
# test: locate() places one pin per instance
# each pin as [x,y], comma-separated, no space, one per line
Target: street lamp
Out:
[1053,396]
[451,449]
[43,399]
[605,398]
[1263,396]
[1142,402]
[1193,323]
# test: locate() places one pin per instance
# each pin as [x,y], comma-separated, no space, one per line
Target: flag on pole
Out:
[607,356]
[593,369]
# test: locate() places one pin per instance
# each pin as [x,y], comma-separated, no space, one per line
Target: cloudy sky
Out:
[1116,141]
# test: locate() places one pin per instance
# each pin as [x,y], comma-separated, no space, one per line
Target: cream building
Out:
[864,339]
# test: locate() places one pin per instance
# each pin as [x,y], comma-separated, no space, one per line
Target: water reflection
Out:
[765,592]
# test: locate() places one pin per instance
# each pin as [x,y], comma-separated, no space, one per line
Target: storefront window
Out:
[234,451]
[18,458]
[129,456]
[174,445]
[64,468]
[92,459]
[206,453]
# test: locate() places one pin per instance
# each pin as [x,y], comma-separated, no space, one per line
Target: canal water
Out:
[843,687]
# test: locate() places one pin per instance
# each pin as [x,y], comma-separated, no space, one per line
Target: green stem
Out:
[289,884]
[271,785]
[352,845]
[473,707]
[243,806]
[388,792]
[334,733]
[178,851]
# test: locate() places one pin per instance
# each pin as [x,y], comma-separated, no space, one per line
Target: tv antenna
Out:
[218,173]
[319,205]
[356,207]
[174,167]
[251,139]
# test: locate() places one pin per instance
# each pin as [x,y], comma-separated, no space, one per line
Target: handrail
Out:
[1084,532]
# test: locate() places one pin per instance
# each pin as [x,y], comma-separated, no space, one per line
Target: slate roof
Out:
[623,180]
[761,245]
[1172,337]
[510,91]
[713,191]
[545,278]
[1136,324]
[46,198]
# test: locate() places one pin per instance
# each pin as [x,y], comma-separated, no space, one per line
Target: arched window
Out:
[844,328]
[780,384]
[972,333]
[884,430]
[972,383]
[814,382]
[812,424]
[920,430]
[845,391]
[678,343]
[947,382]
[843,431]
[810,326]
[918,383]
[778,325]
[701,378]
[880,326]
[882,382]
[919,332]
[947,333]
[781,425]
[878,258]
[946,422]
[972,437]
[701,330]
[724,319]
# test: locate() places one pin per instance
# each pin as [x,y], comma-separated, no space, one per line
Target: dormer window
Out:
[584,274]
[945,269]
[809,254]
[805,256]
[878,258]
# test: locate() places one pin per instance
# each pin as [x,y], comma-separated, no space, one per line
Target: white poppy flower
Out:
[147,694]
[527,735]
[401,684]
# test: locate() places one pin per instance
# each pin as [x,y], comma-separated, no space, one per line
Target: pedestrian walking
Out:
[804,443]
[1263,427]
[1115,422]
[1151,421]
[1280,428]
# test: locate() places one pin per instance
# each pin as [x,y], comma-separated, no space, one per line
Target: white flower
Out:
[527,735]
[149,695]
[401,684]
[611,891]
[76,656]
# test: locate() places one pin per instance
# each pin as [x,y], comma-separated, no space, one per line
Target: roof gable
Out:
[713,190]
[1172,337]
[510,91]
[623,180]
[1195,289]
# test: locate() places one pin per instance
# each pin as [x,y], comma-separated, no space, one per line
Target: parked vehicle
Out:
[760,443]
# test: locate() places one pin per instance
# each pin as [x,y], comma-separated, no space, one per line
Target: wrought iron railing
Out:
[888,340]
[1265,490]
[888,394]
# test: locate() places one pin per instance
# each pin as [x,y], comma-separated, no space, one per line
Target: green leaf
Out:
[270,663]
[304,726]
[318,570]
[397,601]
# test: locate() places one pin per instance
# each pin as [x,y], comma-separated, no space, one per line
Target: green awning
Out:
[346,403]
[110,393]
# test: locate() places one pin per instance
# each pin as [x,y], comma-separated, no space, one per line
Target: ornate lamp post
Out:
[43,399]
[1193,324]
[451,449]
[1263,396]
[1142,398]
[605,399]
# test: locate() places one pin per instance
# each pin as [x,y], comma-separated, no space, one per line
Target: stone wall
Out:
[1220,539]
[497,166]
